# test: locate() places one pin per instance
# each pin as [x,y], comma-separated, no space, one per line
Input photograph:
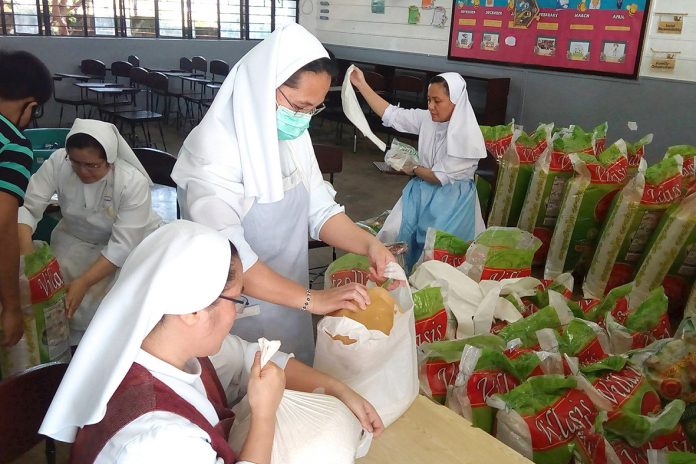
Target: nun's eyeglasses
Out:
[299,110]
[241,302]
[88,166]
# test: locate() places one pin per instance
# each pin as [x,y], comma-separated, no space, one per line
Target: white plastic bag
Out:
[383,369]
[310,429]
[401,155]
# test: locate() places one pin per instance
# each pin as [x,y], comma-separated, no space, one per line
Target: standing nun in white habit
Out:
[442,193]
[151,379]
[249,171]
[104,198]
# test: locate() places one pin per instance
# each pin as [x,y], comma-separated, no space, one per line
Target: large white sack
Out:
[310,429]
[383,369]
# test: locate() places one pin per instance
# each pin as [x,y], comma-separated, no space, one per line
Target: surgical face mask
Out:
[291,124]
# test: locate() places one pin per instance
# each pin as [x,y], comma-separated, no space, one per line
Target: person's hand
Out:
[357,78]
[379,257]
[74,293]
[265,389]
[409,169]
[352,297]
[363,409]
[12,326]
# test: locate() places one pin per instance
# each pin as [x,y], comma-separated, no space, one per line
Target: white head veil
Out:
[464,137]
[242,117]
[111,139]
[178,269]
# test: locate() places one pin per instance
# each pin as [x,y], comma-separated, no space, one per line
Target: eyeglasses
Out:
[299,110]
[88,166]
[37,112]
[241,302]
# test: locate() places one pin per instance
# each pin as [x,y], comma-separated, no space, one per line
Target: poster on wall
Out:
[602,37]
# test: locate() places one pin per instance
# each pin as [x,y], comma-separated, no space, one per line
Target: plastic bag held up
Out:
[380,367]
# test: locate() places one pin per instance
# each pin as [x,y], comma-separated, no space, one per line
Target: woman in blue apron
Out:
[442,194]
[248,170]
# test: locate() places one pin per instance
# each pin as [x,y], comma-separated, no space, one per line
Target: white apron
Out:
[77,242]
[277,232]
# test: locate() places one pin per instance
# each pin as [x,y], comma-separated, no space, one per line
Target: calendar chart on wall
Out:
[588,36]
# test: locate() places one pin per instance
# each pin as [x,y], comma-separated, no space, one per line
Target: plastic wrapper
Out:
[374,224]
[401,155]
[46,332]
[671,257]
[631,223]
[636,153]
[500,253]
[688,153]
[310,428]
[586,201]
[497,138]
[551,173]
[347,269]
[438,363]
[551,317]
[516,168]
[584,340]
[382,368]
[636,327]
[562,284]
[433,321]
[445,247]
[541,417]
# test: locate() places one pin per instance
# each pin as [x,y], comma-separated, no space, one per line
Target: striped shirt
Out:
[16,158]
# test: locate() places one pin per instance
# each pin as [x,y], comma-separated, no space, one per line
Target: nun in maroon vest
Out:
[141,387]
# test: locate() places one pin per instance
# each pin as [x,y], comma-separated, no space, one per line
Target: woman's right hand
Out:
[265,388]
[352,297]
[357,78]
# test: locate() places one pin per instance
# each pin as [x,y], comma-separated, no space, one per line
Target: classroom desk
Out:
[430,433]
[79,77]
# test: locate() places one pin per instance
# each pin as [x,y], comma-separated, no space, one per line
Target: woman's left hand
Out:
[363,410]
[379,257]
[74,293]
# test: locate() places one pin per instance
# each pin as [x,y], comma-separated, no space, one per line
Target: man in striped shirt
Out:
[25,85]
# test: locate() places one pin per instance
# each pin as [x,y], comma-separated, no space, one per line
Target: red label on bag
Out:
[591,353]
[617,387]
[634,158]
[498,147]
[340,278]
[440,374]
[484,384]
[432,328]
[45,283]
[673,441]
[514,353]
[620,310]
[490,273]
[449,258]
[628,454]
[688,167]
[663,193]
[560,161]
[615,173]
[529,155]
[559,423]
[592,446]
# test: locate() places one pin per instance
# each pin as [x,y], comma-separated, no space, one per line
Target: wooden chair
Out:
[330,159]
[159,165]
[24,400]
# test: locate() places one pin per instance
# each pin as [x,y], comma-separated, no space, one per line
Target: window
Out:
[194,19]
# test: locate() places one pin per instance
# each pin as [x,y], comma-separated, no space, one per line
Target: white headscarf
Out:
[111,140]
[464,138]
[242,117]
[180,268]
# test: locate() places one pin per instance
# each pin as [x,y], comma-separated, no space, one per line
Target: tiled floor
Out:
[362,189]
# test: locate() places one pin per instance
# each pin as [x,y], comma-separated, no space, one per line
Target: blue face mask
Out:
[291,125]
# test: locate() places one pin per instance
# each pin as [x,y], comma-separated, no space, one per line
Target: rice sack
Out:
[581,339]
[632,327]
[347,269]
[688,153]
[586,201]
[516,169]
[433,321]
[636,153]
[445,247]
[497,138]
[633,218]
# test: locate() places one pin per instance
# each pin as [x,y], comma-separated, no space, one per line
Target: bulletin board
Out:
[602,37]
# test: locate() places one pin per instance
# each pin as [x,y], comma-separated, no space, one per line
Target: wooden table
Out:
[430,433]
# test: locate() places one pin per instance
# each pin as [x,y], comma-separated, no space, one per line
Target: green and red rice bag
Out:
[433,321]
[586,201]
[445,247]
[497,138]
[500,253]
[542,416]
[581,339]
[688,153]
[347,269]
[516,169]
[562,284]
[630,225]
[671,257]
[636,153]
[547,186]
[525,329]
[630,327]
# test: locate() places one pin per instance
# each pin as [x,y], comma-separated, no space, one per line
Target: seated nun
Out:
[141,387]
[104,198]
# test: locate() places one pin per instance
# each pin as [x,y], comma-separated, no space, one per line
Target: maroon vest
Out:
[140,393]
